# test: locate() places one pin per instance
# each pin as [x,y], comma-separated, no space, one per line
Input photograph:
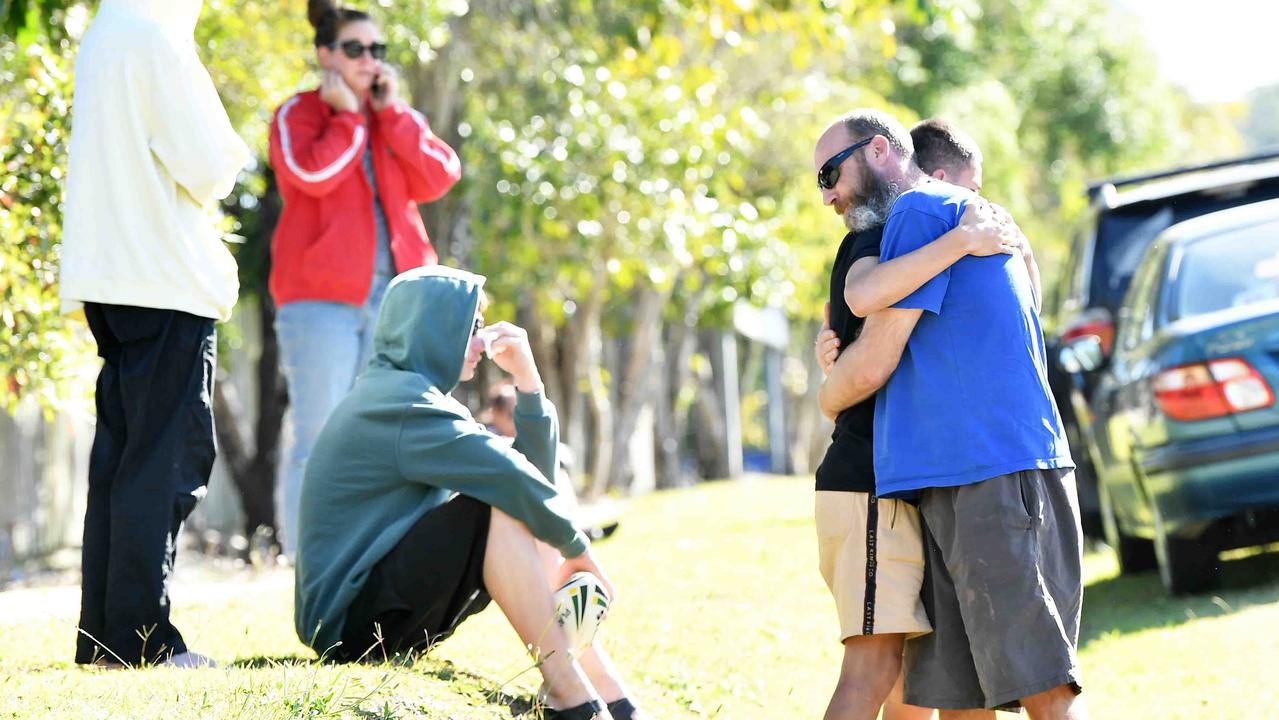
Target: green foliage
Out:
[607,188]
[1055,92]
[622,146]
[629,148]
[37,354]
[26,19]
[258,54]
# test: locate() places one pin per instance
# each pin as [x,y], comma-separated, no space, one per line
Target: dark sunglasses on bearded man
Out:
[828,175]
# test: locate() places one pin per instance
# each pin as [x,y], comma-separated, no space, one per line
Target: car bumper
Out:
[1213,478]
[1213,450]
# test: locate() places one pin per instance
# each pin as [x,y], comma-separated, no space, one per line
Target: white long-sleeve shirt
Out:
[151,151]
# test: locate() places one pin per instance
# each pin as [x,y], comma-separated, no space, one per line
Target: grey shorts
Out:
[1003,588]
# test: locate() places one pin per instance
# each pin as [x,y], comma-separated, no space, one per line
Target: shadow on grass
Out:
[1129,603]
[444,671]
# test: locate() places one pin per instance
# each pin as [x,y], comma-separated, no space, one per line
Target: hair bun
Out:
[321,13]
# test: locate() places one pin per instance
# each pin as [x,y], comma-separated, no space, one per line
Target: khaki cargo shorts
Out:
[870,551]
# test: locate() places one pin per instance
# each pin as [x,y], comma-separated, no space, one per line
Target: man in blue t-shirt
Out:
[966,425]
[870,551]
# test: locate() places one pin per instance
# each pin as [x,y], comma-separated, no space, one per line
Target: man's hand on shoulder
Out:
[987,229]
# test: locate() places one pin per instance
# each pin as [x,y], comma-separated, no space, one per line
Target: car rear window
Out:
[1122,239]
[1229,270]
[1124,234]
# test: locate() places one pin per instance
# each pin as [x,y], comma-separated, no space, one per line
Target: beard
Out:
[871,206]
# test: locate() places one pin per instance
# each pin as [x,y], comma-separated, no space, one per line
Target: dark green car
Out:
[1182,427]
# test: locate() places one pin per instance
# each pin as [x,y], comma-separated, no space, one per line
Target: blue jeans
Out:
[323,346]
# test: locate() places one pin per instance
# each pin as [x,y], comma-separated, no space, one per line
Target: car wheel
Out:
[1135,554]
[1185,566]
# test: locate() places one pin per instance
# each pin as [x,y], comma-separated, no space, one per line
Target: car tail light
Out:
[1212,389]
[1093,322]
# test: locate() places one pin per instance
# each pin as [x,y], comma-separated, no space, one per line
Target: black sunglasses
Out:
[354,49]
[828,175]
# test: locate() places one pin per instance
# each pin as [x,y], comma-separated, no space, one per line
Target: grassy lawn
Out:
[722,614]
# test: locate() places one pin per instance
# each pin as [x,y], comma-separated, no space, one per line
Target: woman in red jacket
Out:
[352,161]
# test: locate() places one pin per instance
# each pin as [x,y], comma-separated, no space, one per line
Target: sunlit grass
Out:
[721,613]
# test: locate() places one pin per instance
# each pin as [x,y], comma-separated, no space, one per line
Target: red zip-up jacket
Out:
[325,241]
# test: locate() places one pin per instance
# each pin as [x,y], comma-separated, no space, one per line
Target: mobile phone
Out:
[379,87]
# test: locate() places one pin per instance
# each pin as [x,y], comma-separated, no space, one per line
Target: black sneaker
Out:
[585,711]
[599,533]
[622,709]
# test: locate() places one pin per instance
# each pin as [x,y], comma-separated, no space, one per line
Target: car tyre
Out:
[1135,554]
[1185,565]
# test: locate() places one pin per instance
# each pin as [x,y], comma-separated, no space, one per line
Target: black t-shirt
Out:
[849,463]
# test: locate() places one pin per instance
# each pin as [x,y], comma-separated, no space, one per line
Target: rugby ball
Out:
[581,604]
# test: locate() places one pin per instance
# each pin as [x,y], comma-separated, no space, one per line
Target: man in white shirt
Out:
[151,152]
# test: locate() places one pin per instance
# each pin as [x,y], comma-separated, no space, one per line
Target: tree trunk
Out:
[256,492]
[811,433]
[718,407]
[273,402]
[635,382]
[711,452]
[598,401]
[438,92]
[542,337]
[675,377]
[574,414]
[252,466]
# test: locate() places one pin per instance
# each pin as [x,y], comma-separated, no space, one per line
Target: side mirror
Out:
[1082,355]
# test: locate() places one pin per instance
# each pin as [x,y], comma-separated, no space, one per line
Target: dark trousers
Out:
[150,463]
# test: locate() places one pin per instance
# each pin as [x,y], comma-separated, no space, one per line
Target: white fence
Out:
[43,477]
[44,471]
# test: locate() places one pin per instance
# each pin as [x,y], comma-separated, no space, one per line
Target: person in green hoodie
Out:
[413,515]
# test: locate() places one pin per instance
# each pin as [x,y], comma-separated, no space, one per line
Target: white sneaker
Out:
[189,660]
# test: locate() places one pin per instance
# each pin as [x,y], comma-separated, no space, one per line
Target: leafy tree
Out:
[37,353]
[631,170]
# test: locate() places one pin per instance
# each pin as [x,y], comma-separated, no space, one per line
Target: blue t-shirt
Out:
[969,400]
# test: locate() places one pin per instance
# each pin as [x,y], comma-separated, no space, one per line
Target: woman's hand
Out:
[337,94]
[386,90]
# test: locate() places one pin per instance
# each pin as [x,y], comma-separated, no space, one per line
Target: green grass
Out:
[721,614]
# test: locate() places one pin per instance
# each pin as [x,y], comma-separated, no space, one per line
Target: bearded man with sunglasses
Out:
[967,428]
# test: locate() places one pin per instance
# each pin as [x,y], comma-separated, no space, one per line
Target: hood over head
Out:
[426,321]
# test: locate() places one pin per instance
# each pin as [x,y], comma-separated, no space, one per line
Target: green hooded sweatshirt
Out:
[398,445]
